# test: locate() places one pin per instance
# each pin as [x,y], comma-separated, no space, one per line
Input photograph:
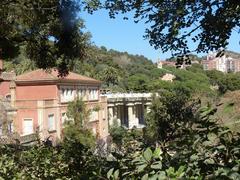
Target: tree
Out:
[117,133]
[169,112]
[172,24]
[76,128]
[50,30]
[225,82]
[109,75]
[138,83]
[193,137]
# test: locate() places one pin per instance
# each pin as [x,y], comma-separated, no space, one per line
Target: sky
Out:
[125,35]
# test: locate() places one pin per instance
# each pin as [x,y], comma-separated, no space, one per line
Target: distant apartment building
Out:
[223,63]
[209,64]
[40,101]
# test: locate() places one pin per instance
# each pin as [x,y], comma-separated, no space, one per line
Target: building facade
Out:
[209,64]
[224,64]
[7,110]
[41,99]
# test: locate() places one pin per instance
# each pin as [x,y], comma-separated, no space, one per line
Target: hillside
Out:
[123,72]
[114,68]
[229,110]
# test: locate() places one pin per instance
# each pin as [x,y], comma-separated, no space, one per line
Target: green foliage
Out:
[192,144]
[117,133]
[225,82]
[76,127]
[138,83]
[50,30]
[192,137]
[169,111]
[20,64]
[32,163]
[109,75]
[145,165]
[189,144]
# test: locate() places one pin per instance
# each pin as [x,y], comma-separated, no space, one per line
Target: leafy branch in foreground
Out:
[173,24]
[50,30]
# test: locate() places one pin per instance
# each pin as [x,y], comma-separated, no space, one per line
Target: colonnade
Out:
[128,114]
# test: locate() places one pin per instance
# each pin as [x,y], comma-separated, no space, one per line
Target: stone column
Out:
[110,114]
[148,107]
[115,112]
[130,115]
[132,119]
[136,115]
[119,115]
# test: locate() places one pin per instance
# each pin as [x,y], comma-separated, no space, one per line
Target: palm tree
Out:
[109,75]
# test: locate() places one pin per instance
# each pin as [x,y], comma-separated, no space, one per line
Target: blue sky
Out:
[125,35]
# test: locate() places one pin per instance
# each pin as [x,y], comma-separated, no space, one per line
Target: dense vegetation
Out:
[124,72]
[50,30]
[181,140]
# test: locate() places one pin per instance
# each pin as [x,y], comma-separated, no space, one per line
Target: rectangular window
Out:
[94,94]
[51,122]
[90,94]
[27,126]
[79,93]
[94,115]
[1,130]
[10,127]
[84,92]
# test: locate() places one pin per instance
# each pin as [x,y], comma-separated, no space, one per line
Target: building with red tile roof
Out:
[41,98]
[52,75]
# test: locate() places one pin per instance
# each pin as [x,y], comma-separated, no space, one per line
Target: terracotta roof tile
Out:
[52,75]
